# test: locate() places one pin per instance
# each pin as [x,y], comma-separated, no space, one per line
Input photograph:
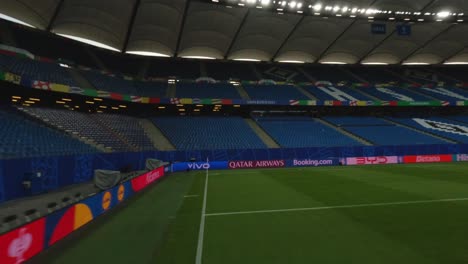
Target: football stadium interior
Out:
[233,131]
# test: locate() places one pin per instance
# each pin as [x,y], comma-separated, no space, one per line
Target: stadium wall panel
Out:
[56,172]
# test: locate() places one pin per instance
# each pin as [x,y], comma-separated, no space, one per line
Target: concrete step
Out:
[159,140]
[242,92]
[267,140]
[344,132]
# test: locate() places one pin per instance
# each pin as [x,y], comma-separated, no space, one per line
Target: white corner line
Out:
[338,207]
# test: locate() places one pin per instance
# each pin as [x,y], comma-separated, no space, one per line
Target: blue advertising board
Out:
[211,165]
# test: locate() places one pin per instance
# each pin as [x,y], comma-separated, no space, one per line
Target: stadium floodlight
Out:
[291,61]
[333,62]
[317,7]
[328,8]
[148,53]
[344,9]
[266,2]
[354,10]
[89,42]
[251,1]
[456,63]
[443,14]
[293,4]
[299,5]
[336,8]
[198,57]
[374,63]
[14,20]
[415,63]
[247,59]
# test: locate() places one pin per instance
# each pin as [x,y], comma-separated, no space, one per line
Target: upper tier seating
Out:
[439,126]
[446,93]
[274,92]
[337,93]
[36,70]
[150,89]
[23,138]
[103,130]
[381,132]
[330,73]
[108,83]
[375,74]
[301,132]
[206,90]
[230,70]
[395,94]
[190,133]
[185,69]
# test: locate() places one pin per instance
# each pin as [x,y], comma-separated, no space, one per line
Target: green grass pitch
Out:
[372,214]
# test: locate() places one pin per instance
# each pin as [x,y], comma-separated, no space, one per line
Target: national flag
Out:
[445,103]
[104,94]
[62,88]
[226,101]
[293,102]
[154,100]
[393,103]
[13,78]
[361,103]
[41,85]
[175,101]
[76,90]
[353,103]
[337,103]
[116,96]
[196,101]
[135,99]
[186,100]
[216,101]
[145,100]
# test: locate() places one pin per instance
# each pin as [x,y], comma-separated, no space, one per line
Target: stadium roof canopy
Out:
[202,29]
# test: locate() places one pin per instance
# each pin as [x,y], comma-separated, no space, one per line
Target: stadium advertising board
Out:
[23,243]
[252,164]
[371,160]
[311,162]
[427,158]
[461,157]
[211,165]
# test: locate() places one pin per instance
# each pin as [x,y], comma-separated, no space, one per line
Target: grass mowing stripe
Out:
[338,207]
[202,224]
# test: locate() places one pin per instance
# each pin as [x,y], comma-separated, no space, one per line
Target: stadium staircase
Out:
[36,118]
[421,131]
[267,140]
[362,91]
[244,95]
[420,93]
[160,142]
[355,76]
[306,93]
[171,90]
[344,132]
[306,74]
[116,135]
[256,72]
[79,79]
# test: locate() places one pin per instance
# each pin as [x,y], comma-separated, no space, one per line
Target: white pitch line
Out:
[337,207]
[201,232]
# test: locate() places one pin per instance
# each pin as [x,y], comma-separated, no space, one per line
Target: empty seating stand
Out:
[381,132]
[105,131]
[274,92]
[36,70]
[22,138]
[298,132]
[207,90]
[190,133]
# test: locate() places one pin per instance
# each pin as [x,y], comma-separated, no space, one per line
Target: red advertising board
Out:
[139,183]
[427,158]
[22,243]
[250,164]
[372,160]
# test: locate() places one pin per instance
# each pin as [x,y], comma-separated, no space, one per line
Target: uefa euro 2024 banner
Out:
[23,243]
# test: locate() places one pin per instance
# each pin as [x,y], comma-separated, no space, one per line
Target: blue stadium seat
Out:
[274,92]
[381,132]
[22,138]
[206,90]
[190,133]
[350,92]
[300,132]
